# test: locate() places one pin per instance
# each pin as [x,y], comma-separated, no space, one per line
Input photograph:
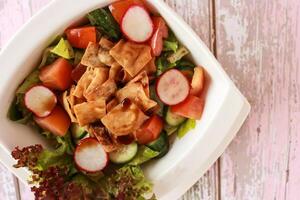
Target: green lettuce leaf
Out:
[31,80]
[143,155]
[163,64]
[129,182]
[186,127]
[58,157]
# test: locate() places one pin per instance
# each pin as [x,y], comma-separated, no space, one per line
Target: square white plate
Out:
[225,111]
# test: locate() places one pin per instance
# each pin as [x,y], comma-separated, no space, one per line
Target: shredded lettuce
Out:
[47,58]
[63,49]
[186,127]
[78,56]
[154,97]
[170,129]
[143,155]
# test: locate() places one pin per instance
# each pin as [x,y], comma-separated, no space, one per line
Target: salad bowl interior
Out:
[188,158]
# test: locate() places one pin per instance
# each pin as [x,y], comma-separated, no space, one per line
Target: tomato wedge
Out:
[57,75]
[197,83]
[58,122]
[160,31]
[81,37]
[77,72]
[191,108]
[119,8]
[150,130]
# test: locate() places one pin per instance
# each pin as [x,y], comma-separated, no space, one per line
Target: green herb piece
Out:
[186,127]
[180,53]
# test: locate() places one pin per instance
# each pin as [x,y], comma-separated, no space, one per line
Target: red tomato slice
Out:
[119,8]
[160,24]
[150,130]
[81,37]
[160,31]
[191,108]
[77,72]
[57,75]
[58,122]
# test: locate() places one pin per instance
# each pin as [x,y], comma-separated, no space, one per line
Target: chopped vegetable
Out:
[172,87]
[143,155]
[40,100]
[31,80]
[119,8]
[180,53]
[77,131]
[170,129]
[58,122]
[136,24]
[197,83]
[163,64]
[191,108]
[150,130]
[90,156]
[103,19]
[160,145]
[172,119]
[124,154]
[186,127]
[77,72]
[170,46]
[129,183]
[57,75]
[63,49]
[153,95]
[78,56]
[48,57]
[160,32]
[81,37]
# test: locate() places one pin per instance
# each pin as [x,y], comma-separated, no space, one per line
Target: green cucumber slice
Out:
[78,132]
[124,154]
[160,145]
[173,119]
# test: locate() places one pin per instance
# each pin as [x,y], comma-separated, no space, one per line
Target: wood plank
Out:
[7,189]
[197,14]
[258,45]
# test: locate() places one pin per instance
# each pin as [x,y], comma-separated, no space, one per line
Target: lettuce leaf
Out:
[178,55]
[31,80]
[59,157]
[143,155]
[186,127]
[130,183]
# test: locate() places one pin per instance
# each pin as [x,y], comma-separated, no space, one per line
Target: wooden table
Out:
[258,44]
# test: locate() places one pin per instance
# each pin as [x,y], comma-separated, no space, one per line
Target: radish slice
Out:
[137,25]
[40,100]
[90,156]
[172,87]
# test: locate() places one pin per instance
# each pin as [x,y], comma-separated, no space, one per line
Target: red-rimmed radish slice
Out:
[40,100]
[90,156]
[136,24]
[172,87]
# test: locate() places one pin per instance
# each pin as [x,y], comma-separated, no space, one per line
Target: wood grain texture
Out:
[258,45]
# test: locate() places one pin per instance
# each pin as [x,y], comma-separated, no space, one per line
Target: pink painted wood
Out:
[258,44]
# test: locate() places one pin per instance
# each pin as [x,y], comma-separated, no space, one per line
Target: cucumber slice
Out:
[161,145]
[170,129]
[124,154]
[173,119]
[78,132]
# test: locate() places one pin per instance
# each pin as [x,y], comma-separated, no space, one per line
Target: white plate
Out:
[225,111]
